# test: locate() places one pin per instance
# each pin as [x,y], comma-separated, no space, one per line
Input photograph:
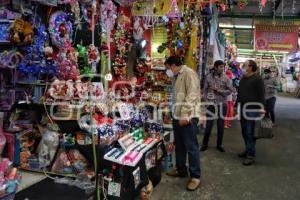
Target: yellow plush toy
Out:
[16,30]
[28,33]
[21,32]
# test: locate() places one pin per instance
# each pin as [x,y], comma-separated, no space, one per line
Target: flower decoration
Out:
[108,15]
[243,3]
[4,34]
[67,64]
[93,54]
[60,29]
[35,60]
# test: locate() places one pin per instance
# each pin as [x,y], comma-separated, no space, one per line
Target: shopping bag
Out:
[264,129]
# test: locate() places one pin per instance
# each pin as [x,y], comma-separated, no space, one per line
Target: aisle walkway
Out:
[275,176]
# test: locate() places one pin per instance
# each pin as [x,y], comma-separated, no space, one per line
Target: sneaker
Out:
[226,126]
[249,161]
[175,173]
[204,148]
[242,155]
[221,149]
[193,184]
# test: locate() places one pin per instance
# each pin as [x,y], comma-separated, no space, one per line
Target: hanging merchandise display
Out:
[60,29]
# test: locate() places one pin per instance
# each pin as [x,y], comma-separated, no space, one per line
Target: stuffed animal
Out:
[28,33]
[21,31]
[16,30]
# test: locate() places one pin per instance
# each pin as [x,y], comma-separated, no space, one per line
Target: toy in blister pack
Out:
[150,159]
[114,155]
[160,151]
[136,177]
[68,162]
[114,189]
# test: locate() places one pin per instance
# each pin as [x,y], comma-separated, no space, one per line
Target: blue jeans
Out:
[220,112]
[248,129]
[186,143]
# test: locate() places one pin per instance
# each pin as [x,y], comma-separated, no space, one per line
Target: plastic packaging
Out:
[82,181]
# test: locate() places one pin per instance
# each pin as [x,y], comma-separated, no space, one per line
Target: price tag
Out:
[114,189]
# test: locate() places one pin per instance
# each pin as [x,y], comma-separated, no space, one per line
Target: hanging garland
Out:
[60,29]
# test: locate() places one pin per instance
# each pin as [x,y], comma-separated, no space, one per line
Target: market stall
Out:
[84,91]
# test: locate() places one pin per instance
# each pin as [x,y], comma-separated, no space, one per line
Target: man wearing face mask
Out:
[185,98]
[251,99]
[216,89]
[271,84]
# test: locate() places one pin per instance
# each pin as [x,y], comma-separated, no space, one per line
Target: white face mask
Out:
[170,73]
[244,71]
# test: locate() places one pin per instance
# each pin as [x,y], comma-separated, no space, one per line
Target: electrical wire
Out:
[47,175]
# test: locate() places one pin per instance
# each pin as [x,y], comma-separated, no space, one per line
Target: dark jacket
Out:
[251,90]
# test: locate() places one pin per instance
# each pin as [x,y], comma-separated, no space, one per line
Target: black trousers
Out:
[220,113]
[270,108]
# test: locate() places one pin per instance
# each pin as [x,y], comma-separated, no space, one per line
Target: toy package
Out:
[69,162]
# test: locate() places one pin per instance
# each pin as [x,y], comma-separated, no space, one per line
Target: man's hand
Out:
[184,122]
[202,120]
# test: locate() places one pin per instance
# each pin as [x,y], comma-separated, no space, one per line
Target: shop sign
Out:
[279,37]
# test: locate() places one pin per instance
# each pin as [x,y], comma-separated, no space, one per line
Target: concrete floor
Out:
[275,176]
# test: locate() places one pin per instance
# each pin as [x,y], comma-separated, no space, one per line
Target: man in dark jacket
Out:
[251,99]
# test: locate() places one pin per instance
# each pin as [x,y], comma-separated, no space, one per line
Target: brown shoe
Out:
[193,184]
[175,173]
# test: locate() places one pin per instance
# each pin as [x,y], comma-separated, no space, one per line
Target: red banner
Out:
[276,38]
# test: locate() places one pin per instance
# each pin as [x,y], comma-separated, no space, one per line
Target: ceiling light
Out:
[221,25]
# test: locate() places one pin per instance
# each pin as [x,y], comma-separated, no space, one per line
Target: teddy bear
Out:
[16,30]
[28,32]
[21,31]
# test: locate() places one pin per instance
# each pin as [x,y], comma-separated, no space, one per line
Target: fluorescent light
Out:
[243,59]
[221,25]
[262,51]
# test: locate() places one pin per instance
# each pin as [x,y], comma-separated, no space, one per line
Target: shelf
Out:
[32,83]
[49,173]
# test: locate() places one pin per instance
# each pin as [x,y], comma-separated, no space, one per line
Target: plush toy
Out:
[28,32]
[21,31]
[16,30]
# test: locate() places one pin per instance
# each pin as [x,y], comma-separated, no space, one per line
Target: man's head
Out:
[249,67]
[267,73]
[219,67]
[173,65]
